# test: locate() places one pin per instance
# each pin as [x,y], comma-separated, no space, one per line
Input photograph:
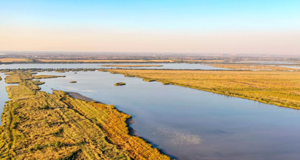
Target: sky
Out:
[159,26]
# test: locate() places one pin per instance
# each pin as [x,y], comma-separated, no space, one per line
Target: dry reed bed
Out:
[5,60]
[255,67]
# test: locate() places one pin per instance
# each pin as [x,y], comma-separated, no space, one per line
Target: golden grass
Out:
[6,60]
[278,88]
[17,77]
[120,84]
[38,125]
[255,67]
[102,61]
[46,76]
[131,65]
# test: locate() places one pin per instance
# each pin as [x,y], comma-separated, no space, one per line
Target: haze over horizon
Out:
[203,26]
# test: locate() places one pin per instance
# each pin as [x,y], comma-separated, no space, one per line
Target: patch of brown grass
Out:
[5,60]
[255,67]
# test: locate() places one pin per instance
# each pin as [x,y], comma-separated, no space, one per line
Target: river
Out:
[190,124]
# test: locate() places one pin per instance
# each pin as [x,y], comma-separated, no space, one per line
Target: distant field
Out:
[104,61]
[256,67]
[277,87]
[6,60]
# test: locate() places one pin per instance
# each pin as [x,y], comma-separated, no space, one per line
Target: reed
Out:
[120,84]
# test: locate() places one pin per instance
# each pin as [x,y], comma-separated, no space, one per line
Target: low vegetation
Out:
[17,77]
[148,80]
[120,84]
[276,87]
[38,125]
[11,60]
[131,65]
[255,67]
[46,76]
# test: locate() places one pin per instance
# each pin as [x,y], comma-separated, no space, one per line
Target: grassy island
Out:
[273,87]
[255,67]
[73,81]
[46,76]
[120,84]
[39,125]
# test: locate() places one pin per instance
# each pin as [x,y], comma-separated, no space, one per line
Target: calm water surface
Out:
[98,65]
[3,93]
[191,124]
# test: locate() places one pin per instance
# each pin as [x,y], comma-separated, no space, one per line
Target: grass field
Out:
[9,60]
[38,125]
[276,87]
[17,77]
[255,67]
[46,76]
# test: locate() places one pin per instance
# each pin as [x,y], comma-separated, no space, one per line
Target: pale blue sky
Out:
[144,17]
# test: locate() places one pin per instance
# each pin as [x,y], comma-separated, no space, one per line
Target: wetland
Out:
[183,123]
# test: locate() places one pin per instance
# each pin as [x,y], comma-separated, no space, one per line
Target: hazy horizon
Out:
[193,27]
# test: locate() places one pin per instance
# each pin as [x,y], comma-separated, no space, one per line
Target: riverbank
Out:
[39,125]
